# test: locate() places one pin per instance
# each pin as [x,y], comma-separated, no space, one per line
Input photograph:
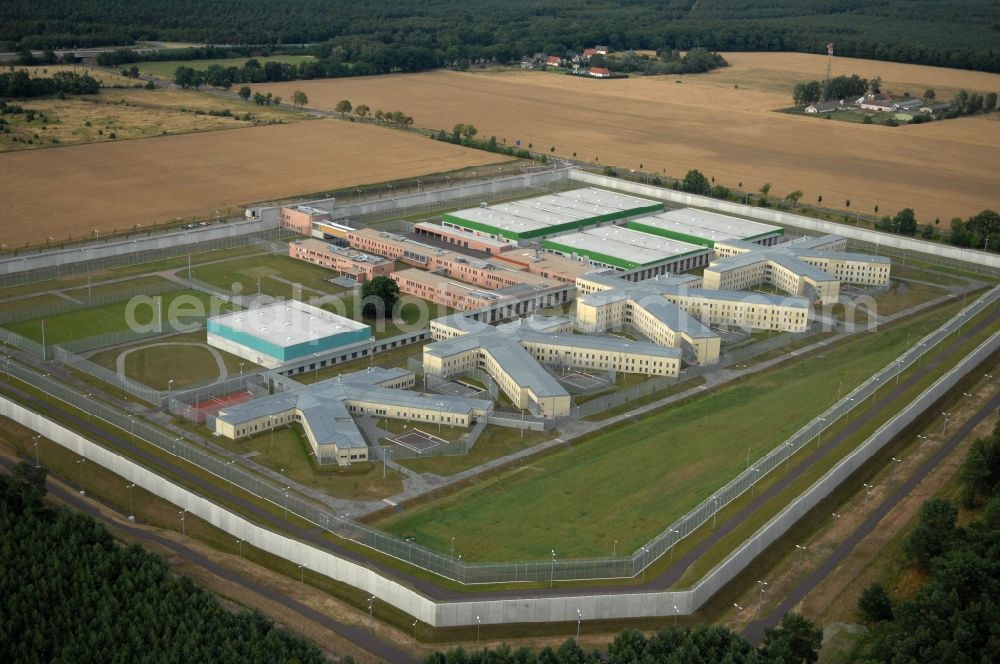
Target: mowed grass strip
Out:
[630,482]
[92,321]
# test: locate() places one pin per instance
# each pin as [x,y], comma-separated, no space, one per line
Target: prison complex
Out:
[325,410]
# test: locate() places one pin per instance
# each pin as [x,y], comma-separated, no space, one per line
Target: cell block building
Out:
[326,411]
[513,355]
[812,267]
[706,228]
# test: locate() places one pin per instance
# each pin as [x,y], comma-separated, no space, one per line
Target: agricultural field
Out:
[166,68]
[159,179]
[116,114]
[723,123]
[629,482]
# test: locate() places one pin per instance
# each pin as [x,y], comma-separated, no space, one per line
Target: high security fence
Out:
[181,245]
[81,299]
[529,571]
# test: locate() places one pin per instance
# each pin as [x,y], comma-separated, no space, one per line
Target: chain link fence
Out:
[75,268]
[121,292]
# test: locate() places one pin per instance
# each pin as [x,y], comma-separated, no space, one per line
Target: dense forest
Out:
[953,615]
[70,593]
[794,641]
[951,33]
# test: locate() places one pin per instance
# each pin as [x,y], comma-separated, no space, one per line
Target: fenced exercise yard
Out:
[417,440]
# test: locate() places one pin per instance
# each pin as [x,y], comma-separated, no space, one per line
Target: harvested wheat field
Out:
[672,124]
[72,190]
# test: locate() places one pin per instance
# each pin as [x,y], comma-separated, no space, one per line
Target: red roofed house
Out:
[589,52]
[600,72]
[554,61]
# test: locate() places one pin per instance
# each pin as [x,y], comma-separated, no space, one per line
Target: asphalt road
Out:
[665,579]
[754,632]
[358,635]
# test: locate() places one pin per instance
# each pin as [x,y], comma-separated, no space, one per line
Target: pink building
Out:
[358,266]
[299,218]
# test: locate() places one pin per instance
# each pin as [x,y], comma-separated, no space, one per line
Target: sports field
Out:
[166,68]
[630,482]
[671,124]
[184,358]
[156,180]
[92,321]
[279,276]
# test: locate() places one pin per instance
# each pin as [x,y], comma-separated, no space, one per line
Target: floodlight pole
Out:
[131,510]
[81,461]
[34,441]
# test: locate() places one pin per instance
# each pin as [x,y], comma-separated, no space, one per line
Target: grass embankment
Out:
[652,470]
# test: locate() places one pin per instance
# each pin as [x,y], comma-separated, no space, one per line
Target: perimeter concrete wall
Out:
[771,216]
[502,610]
[141,242]
[482,188]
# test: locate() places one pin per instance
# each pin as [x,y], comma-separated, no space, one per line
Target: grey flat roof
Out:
[848,256]
[708,225]
[606,344]
[323,406]
[790,255]
[676,318]
[287,322]
[540,212]
[626,244]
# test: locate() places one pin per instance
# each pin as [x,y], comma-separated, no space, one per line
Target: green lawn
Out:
[291,455]
[166,68]
[495,442]
[278,276]
[627,483]
[92,321]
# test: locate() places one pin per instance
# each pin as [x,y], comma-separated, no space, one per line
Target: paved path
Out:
[754,632]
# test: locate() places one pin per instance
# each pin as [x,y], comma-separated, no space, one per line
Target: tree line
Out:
[456,33]
[70,593]
[667,62]
[793,641]
[20,85]
[840,87]
[954,616]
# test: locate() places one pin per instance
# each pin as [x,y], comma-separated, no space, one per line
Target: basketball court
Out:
[417,440]
[457,388]
[582,381]
[213,405]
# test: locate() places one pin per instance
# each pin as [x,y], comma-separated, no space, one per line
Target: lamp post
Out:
[478,625]
[240,542]
[715,512]
[131,511]
[614,549]
[286,502]
[170,384]
[452,547]
[965,402]
[819,434]
[896,462]
[760,598]
[579,619]
[802,551]
[836,517]
[922,439]
[34,441]
[386,453]
[232,484]
[944,425]
[302,574]
[183,527]
[868,493]
[645,560]
[83,492]
[677,613]
[676,533]
[440,405]
[552,573]
[988,376]
[371,611]
[415,629]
